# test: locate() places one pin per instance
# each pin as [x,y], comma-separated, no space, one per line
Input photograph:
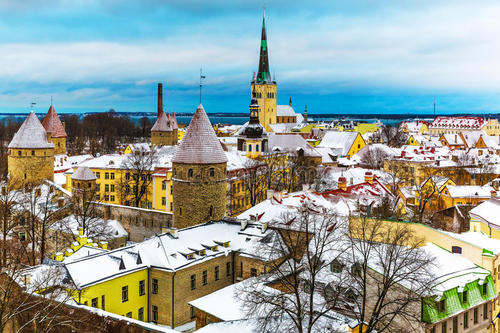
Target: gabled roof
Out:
[31,134]
[285,111]
[162,124]
[200,144]
[339,140]
[53,125]
[83,173]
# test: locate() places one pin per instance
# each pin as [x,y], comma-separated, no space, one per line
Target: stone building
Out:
[165,129]
[199,174]
[56,132]
[83,182]
[31,155]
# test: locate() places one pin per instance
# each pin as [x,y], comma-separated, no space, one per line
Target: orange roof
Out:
[53,125]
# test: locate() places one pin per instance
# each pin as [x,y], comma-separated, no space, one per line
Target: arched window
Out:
[32,153]
[212,172]
[257,148]
[190,173]
[211,211]
[249,147]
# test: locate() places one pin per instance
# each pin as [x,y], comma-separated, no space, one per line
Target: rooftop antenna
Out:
[201,82]
[434,106]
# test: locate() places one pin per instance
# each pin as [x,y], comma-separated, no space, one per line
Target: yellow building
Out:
[465,195]
[492,127]
[347,144]
[31,155]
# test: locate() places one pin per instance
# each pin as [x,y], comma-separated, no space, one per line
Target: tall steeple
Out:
[264,74]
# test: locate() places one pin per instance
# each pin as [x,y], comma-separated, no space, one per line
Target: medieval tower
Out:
[83,185]
[31,155]
[252,138]
[199,174]
[164,130]
[264,86]
[55,131]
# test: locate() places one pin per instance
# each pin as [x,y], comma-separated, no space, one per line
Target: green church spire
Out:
[264,74]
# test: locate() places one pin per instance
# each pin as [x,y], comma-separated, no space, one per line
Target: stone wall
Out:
[140,223]
[31,165]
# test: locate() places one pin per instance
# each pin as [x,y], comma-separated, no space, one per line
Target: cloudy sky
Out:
[357,56]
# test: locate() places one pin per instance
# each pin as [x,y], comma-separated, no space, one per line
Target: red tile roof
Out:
[53,125]
[162,124]
[200,144]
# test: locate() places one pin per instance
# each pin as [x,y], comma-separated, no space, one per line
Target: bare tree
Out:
[323,270]
[391,136]
[9,216]
[373,157]
[254,180]
[139,169]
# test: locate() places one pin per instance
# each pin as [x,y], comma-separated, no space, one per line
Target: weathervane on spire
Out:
[201,83]
[32,104]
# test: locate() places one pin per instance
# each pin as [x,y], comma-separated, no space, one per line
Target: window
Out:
[193,282]
[124,294]
[112,198]
[140,314]
[112,174]
[164,185]
[485,311]
[32,153]
[94,302]
[241,269]
[205,275]
[211,211]
[102,302]
[129,314]
[466,319]
[98,175]
[442,305]
[190,173]
[456,249]
[191,312]
[455,324]
[106,175]
[155,286]
[443,326]
[485,288]
[127,176]
[228,269]
[253,272]
[142,287]
[112,187]
[155,314]
[180,211]
[216,273]
[19,154]
[464,296]
[336,266]
[106,188]
[476,316]
[163,201]
[256,148]
[212,172]
[249,147]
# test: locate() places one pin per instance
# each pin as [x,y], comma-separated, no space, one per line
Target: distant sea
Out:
[241,118]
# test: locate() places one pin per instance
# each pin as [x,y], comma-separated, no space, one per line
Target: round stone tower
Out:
[199,174]
[83,184]
[55,131]
[31,155]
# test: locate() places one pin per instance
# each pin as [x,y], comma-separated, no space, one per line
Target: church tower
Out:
[31,155]
[55,131]
[83,185]
[264,85]
[164,130]
[199,174]
[252,138]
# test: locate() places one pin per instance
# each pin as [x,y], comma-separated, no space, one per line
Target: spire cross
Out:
[32,104]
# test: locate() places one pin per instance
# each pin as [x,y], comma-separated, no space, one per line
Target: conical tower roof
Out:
[173,122]
[31,134]
[200,145]
[83,173]
[162,124]
[53,125]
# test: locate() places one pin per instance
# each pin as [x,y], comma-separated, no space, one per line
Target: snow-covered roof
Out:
[162,123]
[339,140]
[53,125]
[166,252]
[471,137]
[99,228]
[469,191]
[200,144]
[477,239]
[31,134]
[63,162]
[462,122]
[83,172]
[285,111]
[454,139]
[290,143]
[488,211]
[414,125]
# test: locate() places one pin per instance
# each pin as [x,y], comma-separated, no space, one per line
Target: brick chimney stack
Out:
[160,98]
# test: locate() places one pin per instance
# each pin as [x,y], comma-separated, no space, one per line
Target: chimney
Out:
[493,193]
[160,98]
[495,185]
[369,177]
[342,183]
[80,231]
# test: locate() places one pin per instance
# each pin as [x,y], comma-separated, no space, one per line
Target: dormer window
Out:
[190,256]
[442,305]
[201,252]
[485,288]
[464,296]
[214,248]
